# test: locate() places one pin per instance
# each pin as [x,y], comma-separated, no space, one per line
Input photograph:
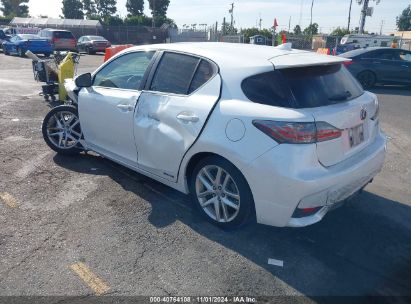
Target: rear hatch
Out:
[64,40]
[331,94]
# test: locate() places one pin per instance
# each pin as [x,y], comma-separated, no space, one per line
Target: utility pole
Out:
[382,24]
[363,15]
[349,16]
[231,11]
[259,22]
[311,19]
[289,24]
[154,13]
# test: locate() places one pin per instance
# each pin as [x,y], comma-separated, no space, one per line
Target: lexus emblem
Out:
[363,114]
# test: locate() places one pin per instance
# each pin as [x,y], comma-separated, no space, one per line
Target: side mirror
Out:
[83,81]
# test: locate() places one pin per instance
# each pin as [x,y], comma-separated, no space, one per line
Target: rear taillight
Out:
[297,132]
[347,63]
[54,40]
[325,131]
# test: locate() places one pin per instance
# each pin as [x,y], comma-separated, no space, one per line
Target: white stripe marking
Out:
[275,262]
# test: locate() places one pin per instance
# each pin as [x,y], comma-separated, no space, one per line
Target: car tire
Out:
[6,52]
[20,52]
[221,193]
[62,131]
[367,79]
[89,51]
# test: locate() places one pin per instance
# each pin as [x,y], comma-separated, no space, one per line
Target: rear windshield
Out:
[29,36]
[63,35]
[96,38]
[305,87]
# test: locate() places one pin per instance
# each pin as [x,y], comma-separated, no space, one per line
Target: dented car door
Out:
[173,110]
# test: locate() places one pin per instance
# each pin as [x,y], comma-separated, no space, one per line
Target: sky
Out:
[327,13]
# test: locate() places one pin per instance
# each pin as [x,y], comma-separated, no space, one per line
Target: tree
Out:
[339,31]
[89,8]
[159,7]
[106,8]
[135,7]
[138,20]
[113,20]
[15,8]
[250,32]
[297,30]
[404,20]
[311,29]
[72,9]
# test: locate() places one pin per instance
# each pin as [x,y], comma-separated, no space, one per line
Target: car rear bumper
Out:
[98,48]
[290,176]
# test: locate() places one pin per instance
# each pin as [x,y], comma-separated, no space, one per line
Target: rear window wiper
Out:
[340,97]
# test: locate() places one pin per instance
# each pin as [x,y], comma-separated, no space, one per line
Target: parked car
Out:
[3,38]
[282,134]
[343,48]
[21,43]
[379,65]
[61,40]
[92,44]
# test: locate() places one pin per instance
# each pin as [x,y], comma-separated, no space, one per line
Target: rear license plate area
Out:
[356,135]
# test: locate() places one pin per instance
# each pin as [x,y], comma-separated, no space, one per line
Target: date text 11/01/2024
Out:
[235,299]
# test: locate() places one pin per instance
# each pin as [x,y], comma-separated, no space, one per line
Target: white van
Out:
[367,40]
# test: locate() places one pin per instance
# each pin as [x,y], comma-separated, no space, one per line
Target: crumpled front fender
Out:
[71,89]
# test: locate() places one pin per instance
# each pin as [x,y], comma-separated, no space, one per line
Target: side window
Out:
[125,72]
[204,73]
[386,55]
[405,56]
[267,88]
[174,73]
[384,43]
[81,39]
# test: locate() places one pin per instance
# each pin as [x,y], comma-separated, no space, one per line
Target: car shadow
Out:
[399,90]
[361,249]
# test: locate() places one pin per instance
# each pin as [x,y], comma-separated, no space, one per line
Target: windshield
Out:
[29,36]
[96,38]
[63,35]
[321,85]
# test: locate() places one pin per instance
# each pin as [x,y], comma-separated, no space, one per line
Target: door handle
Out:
[405,66]
[187,117]
[125,107]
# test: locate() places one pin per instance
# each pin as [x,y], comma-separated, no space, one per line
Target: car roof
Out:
[363,51]
[55,30]
[236,55]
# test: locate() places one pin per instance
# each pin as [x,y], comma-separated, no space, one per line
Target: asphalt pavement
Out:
[84,226]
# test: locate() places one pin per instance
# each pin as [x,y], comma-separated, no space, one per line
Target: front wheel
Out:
[20,52]
[221,193]
[367,79]
[61,130]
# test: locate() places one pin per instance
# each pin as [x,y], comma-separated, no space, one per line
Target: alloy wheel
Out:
[217,193]
[63,130]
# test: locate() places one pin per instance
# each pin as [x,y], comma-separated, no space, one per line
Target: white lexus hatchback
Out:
[283,135]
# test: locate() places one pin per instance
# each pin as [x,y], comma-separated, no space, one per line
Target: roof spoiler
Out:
[285,46]
[304,59]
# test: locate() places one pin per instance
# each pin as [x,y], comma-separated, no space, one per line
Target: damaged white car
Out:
[249,131]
